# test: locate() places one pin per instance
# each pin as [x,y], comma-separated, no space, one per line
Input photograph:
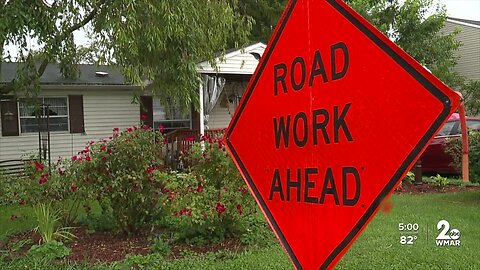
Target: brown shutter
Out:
[75,111]
[146,110]
[195,119]
[9,117]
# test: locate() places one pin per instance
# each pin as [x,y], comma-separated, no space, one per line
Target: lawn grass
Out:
[24,219]
[377,248]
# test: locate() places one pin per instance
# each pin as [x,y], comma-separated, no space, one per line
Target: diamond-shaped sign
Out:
[332,119]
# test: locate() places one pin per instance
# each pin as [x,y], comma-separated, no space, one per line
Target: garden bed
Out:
[412,188]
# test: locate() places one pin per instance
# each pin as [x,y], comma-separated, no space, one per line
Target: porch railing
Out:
[180,141]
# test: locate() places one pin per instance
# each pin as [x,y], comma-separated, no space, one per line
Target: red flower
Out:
[22,202]
[87,158]
[220,208]
[110,137]
[38,166]
[42,180]
[239,209]
[144,116]
[151,169]
[61,171]
[162,129]
[13,217]
[102,148]
[74,158]
[184,211]
[129,129]
[145,127]
[242,190]
[109,151]
[90,142]
[115,129]
[104,158]
[73,188]
[200,188]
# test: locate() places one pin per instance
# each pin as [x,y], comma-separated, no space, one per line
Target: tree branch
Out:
[66,34]
[8,87]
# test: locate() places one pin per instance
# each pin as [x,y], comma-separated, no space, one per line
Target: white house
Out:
[468,63]
[90,106]
[225,84]
[80,110]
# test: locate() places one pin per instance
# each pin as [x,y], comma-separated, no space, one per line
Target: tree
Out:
[158,42]
[415,26]
[265,14]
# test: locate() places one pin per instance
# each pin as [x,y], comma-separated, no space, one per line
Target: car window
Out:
[447,128]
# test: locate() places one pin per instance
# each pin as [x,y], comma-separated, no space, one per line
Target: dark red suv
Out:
[435,159]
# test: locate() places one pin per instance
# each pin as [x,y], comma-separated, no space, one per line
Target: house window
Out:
[57,112]
[171,117]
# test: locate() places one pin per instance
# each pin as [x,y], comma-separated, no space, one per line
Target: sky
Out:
[463,9]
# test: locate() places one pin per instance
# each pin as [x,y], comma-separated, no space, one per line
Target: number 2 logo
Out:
[446,233]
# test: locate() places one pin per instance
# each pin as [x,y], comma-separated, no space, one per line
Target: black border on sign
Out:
[396,177]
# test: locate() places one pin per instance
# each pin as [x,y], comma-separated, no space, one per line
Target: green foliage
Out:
[96,222]
[159,41]
[265,14]
[257,232]
[471,96]
[409,178]
[211,201]
[120,174]
[415,26]
[454,148]
[150,261]
[43,185]
[160,244]
[439,181]
[19,244]
[50,250]
[48,224]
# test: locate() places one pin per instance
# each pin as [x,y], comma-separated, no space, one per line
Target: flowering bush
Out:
[211,200]
[122,170]
[454,148]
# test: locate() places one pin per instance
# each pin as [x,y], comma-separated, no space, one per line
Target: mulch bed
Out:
[427,188]
[109,247]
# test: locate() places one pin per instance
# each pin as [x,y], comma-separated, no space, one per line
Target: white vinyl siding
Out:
[237,62]
[468,64]
[103,111]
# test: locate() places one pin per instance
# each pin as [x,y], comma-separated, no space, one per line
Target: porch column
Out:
[202,115]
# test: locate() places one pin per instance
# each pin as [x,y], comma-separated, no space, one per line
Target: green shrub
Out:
[48,224]
[50,250]
[211,201]
[454,148]
[409,178]
[439,181]
[42,185]
[121,171]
